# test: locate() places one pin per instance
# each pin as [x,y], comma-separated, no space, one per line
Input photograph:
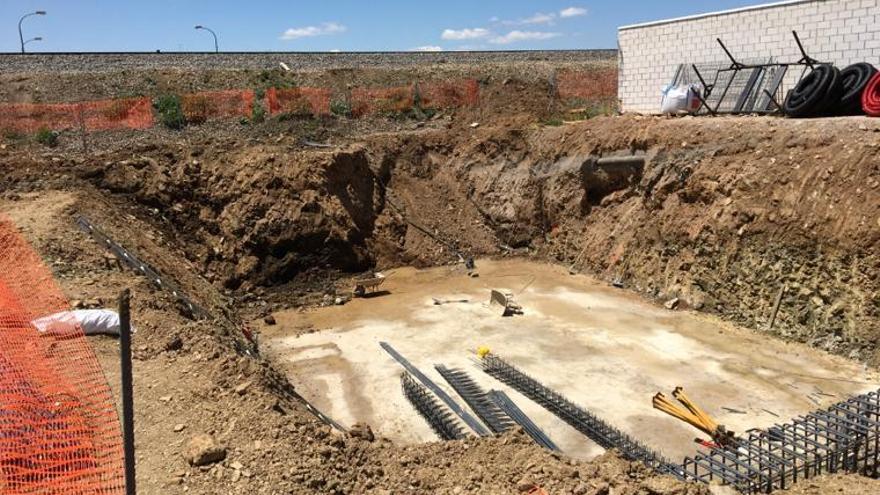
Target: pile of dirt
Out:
[838,483]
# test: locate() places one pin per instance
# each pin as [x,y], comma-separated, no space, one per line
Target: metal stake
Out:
[127,390]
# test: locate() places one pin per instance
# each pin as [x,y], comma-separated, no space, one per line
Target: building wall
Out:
[838,31]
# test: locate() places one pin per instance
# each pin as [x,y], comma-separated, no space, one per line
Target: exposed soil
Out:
[722,224]
[248,221]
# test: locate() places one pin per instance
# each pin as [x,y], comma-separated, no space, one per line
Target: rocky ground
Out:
[296,61]
[725,213]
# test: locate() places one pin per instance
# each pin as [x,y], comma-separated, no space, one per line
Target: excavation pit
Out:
[605,349]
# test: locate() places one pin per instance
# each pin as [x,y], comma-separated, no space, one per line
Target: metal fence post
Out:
[127,390]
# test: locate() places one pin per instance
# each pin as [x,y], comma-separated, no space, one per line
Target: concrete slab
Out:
[605,349]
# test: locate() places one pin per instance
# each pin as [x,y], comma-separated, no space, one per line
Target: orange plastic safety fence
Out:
[367,101]
[133,113]
[59,430]
[200,107]
[449,94]
[306,101]
[598,84]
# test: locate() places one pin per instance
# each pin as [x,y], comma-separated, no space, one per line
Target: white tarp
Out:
[92,321]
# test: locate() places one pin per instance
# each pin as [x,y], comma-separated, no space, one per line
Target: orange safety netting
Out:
[449,94]
[199,107]
[304,101]
[366,101]
[132,113]
[59,430]
[597,84]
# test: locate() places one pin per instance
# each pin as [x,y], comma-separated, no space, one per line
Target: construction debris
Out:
[694,416]
[503,299]
[441,302]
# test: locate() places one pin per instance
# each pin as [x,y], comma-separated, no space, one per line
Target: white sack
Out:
[92,321]
[680,99]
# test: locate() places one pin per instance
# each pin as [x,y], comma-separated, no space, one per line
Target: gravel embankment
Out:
[107,62]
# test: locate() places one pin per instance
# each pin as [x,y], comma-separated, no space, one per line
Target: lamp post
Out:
[38,38]
[216,47]
[20,36]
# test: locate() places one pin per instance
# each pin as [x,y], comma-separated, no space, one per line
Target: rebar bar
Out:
[844,437]
[450,403]
[476,399]
[504,403]
[438,417]
[580,419]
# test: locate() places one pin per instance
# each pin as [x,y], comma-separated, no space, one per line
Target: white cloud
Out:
[539,18]
[427,48]
[464,34]
[572,12]
[516,36]
[336,50]
[324,29]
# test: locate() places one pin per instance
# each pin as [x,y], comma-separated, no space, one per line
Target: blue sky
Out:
[347,25]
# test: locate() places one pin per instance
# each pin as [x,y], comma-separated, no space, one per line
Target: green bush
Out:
[47,138]
[340,108]
[170,111]
[258,113]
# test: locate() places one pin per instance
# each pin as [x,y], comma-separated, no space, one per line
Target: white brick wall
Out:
[838,31]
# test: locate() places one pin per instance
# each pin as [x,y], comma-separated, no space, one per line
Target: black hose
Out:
[855,79]
[816,94]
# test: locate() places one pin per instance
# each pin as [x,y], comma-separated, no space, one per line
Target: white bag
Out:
[92,321]
[679,99]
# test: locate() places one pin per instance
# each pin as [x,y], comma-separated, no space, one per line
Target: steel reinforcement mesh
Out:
[59,430]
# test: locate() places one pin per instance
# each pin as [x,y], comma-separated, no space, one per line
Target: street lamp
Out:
[216,48]
[20,36]
[38,38]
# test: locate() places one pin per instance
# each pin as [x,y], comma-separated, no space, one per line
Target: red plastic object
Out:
[871,97]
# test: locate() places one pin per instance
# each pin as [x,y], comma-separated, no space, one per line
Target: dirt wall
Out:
[724,214]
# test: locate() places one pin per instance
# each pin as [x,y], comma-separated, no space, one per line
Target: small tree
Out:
[47,137]
[170,111]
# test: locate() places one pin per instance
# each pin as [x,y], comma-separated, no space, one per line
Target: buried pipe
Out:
[636,161]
